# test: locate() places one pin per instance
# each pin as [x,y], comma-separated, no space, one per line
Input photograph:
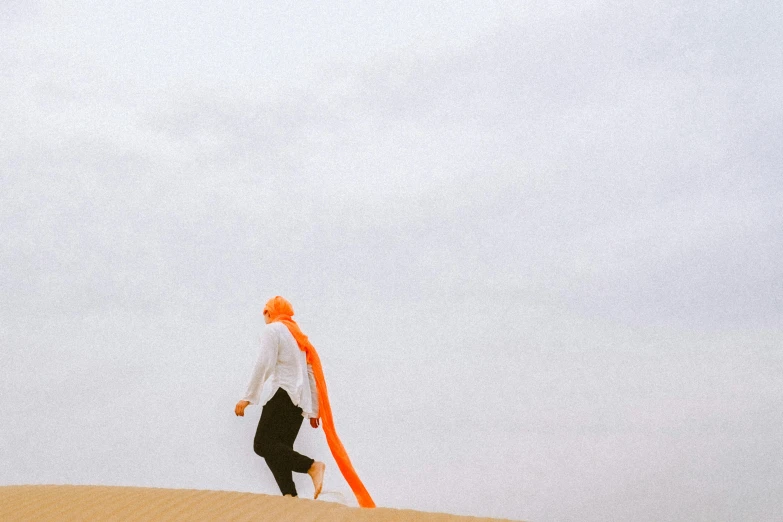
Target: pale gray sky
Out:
[537,245]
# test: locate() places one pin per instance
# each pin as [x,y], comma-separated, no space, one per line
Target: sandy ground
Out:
[70,503]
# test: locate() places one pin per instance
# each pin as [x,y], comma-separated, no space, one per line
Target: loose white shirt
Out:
[282,362]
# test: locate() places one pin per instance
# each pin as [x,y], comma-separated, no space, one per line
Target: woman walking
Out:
[287,357]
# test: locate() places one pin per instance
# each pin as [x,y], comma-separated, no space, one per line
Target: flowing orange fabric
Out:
[281,311]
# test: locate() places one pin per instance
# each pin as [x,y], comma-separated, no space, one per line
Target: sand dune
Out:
[71,503]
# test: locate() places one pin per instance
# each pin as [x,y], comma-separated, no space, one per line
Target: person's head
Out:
[277,307]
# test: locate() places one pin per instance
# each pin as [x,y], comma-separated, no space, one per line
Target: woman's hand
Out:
[315,422]
[240,409]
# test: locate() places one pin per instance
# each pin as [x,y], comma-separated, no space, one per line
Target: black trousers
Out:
[277,430]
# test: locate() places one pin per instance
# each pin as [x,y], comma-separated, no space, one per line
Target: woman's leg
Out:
[274,441]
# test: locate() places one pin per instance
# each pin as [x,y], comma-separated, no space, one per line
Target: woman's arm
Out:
[265,365]
[314,420]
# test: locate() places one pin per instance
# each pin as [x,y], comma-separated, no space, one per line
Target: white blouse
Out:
[281,361]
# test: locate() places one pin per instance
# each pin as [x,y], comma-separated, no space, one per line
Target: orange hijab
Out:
[280,311]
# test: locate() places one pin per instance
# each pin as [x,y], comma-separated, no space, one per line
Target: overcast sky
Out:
[538,246]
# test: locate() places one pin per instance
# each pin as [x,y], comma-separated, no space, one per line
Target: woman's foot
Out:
[316,473]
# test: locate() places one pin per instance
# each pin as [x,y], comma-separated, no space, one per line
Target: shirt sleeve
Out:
[265,365]
[313,391]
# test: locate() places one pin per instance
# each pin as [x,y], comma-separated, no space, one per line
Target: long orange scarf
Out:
[280,310]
